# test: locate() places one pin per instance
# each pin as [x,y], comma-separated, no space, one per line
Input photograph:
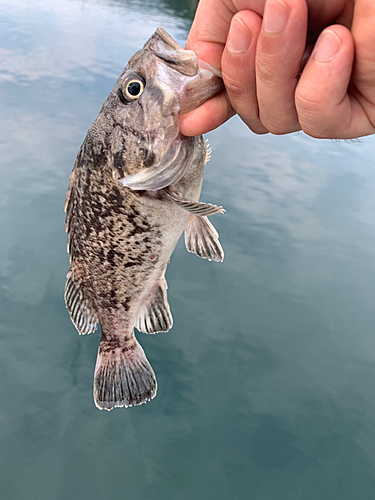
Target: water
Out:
[267,380]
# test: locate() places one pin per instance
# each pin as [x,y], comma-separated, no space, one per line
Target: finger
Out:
[364,36]
[209,116]
[280,49]
[325,109]
[209,31]
[238,68]
[207,38]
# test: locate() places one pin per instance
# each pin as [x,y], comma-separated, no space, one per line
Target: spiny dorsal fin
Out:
[81,311]
[155,315]
[202,239]
[194,207]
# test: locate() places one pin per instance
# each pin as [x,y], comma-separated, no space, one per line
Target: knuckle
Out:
[318,129]
[235,87]
[266,74]
[258,129]
[317,126]
[255,125]
[315,114]
[280,127]
[309,100]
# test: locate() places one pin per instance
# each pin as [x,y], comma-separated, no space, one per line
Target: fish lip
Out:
[166,37]
[171,61]
[165,48]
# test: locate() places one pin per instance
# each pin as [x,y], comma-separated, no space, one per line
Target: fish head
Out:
[161,81]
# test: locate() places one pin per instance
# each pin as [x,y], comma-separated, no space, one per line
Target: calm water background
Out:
[267,380]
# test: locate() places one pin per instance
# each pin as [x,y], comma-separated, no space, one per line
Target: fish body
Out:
[134,189]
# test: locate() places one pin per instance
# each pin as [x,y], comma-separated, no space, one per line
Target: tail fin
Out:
[123,376]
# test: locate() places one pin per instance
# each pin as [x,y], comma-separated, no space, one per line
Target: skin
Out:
[263,64]
[119,239]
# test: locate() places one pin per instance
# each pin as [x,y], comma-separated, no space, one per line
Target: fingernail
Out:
[239,37]
[275,17]
[327,46]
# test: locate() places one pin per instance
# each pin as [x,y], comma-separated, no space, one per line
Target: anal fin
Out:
[155,315]
[81,311]
[202,239]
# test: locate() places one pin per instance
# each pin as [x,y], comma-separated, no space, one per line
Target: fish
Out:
[133,191]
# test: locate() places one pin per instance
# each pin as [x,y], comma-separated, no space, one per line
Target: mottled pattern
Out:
[120,240]
[114,237]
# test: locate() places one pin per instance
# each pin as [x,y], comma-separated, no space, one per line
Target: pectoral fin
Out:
[80,309]
[155,315]
[202,239]
[194,207]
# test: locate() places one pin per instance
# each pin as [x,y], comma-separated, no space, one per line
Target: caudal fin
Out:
[123,376]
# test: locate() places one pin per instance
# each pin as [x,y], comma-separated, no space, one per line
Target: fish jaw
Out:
[197,82]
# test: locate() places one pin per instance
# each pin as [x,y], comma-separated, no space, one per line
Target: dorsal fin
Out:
[80,309]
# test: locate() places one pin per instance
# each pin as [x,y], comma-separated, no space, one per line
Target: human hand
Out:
[332,97]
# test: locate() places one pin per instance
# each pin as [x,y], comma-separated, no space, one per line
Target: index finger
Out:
[210,28]
[207,38]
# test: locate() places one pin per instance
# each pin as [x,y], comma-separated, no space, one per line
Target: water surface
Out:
[267,380]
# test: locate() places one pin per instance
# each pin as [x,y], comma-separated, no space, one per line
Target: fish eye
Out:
[132,87]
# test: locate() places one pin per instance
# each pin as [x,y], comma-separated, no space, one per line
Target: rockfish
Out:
[134,189]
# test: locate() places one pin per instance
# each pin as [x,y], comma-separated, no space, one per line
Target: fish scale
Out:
[133,191]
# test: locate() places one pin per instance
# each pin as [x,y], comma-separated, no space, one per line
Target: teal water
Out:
[267,379]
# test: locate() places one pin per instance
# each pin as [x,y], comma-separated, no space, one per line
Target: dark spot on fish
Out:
[149,159]
[138,230]
[130,264]
[130,347]
[111,257]
[101,254]
[100,158]
[158,95]
[125,303]
[118,160]
[109,343]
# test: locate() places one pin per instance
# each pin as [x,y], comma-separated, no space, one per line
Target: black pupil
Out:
[134,88]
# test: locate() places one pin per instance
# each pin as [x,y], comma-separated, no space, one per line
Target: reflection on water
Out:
[266,382]
[179,8]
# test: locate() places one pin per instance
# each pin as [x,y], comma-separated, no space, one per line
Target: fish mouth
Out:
[167,39]
[200,81]
[181,52]
[165,48]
